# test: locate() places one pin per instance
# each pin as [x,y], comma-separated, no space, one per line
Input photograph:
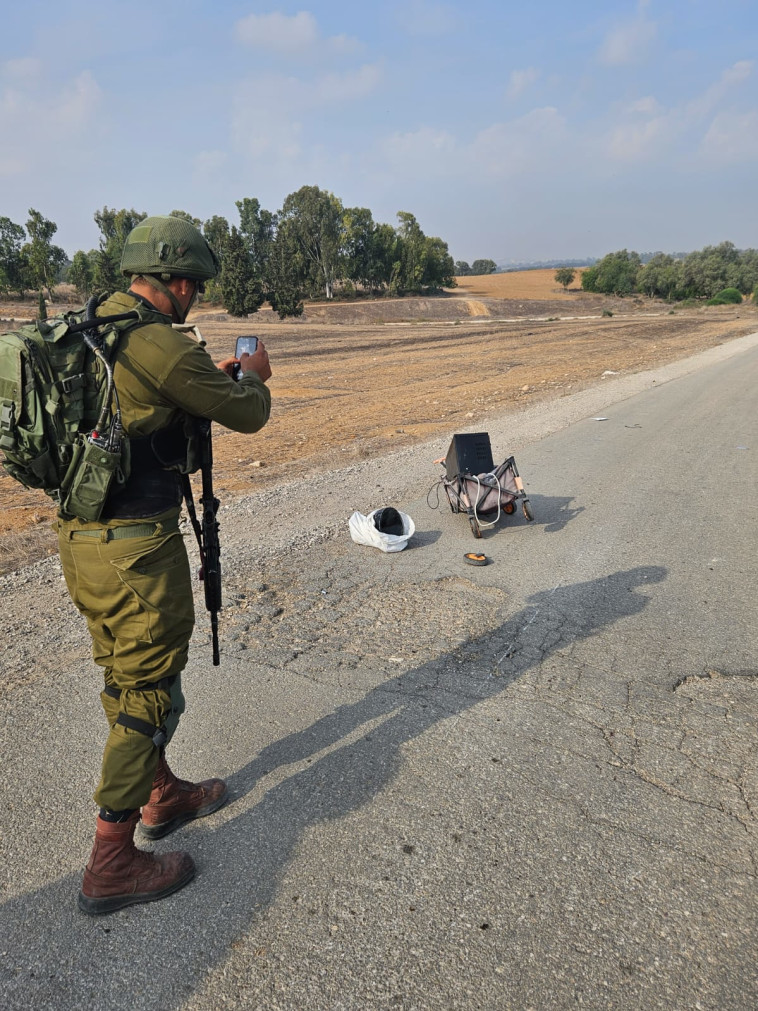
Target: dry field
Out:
[355,379]
[519,285]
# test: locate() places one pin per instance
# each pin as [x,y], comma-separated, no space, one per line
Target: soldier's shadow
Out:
[242,861]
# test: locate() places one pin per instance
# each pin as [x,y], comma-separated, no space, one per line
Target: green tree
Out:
[439,269]
[313,222]
[368,249]
[564,276]
[384,258]
[589,279]
[216,231]
[747,272]
[45,260]
[106,277]
[661,277]
[187,217]
[114,227]
[41,306]
[241,290]
[258,228]
[80,274]
[462,269]
[423,262]
[483,267]
[710,270]
[285,279]
[358,245]
[13,262]
[615,274]
[412,253]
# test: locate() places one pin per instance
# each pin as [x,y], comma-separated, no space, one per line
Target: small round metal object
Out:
[472,558]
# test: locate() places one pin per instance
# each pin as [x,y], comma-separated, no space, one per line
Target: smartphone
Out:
[245,346]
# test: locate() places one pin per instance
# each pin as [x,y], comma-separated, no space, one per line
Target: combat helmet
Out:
[169,247]
[163,247]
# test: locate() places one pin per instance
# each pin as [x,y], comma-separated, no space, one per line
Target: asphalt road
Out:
[528,785]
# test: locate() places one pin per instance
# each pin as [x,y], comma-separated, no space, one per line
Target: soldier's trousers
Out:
[136,593]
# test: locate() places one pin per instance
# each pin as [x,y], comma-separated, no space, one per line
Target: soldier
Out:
[129,575]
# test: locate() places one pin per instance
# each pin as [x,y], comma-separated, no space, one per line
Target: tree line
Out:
[462,269]
[313,247]
[706,273]
[33,263]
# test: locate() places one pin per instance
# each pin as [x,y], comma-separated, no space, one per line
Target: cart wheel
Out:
[474,526]
[509,508]
[527,509]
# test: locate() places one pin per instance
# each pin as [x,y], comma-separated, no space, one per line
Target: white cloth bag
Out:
[363,531]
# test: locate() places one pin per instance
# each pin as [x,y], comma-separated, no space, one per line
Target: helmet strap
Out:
[181,313]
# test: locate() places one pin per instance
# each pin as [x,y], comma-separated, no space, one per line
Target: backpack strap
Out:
[93,324]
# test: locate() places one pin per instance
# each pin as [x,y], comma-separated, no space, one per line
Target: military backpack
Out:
[60,421]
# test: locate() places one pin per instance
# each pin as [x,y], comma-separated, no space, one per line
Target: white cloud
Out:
[62,116]
[639,141]
[24,69]
[347,87]
[647,130]
[268,111]
[418,149]
[629,42]
[207,164]
[294,35]
[647,106]
[731,77]
[732,139]
[521,145]
[76,106]
[501,151]
[520,80]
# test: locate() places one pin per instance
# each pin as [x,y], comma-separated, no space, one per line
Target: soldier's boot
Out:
[174,801]
[118,874]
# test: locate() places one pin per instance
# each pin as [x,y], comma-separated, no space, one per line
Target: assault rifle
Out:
[206,530]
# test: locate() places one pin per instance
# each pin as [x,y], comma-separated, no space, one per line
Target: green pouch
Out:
[95,469]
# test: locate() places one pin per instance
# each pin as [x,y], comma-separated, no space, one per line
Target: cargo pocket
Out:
[159,597]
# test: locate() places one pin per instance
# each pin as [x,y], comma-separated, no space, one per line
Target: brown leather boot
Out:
[118,874]
[175,801]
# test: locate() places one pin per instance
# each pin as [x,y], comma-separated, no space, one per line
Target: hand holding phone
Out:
[245,346]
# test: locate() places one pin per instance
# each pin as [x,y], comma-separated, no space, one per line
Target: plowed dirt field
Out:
[355,379]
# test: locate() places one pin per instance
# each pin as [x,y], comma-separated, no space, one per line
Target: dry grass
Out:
[22,547]
[531,285]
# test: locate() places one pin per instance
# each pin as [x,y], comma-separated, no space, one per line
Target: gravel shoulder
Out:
[289,516]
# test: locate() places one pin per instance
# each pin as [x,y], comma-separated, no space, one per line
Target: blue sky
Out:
[516,131]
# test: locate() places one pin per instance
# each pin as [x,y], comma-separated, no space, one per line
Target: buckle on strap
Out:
[157,735]
[7,417]
[71,383]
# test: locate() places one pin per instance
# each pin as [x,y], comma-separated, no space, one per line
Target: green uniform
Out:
[129,574]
